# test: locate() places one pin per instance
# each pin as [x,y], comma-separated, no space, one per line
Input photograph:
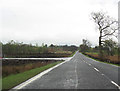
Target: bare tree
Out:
[106,25]
[85,46]
[86,42]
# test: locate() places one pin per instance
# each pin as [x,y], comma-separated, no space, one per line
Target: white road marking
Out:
[84,61]
[38,76]
[115,84]
[102,74]
[105,75]
[112,81]
[89,64]
[96,69]
[76,85]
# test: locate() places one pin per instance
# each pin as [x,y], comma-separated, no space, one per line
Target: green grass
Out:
[13,80]
[72,54]
[92,52]
[102,61]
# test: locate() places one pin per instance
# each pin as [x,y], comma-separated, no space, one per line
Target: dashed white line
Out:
[89,64]
[112,81]
[84,61]
[102,74]
[96,69]
[115,84]
[105,75]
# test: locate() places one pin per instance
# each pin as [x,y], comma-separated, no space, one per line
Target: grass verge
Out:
[102,61]
[13,80]
[72,54]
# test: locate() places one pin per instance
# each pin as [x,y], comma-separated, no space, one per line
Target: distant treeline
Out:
[15,49]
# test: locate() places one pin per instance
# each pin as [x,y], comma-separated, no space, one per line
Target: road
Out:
[80,72]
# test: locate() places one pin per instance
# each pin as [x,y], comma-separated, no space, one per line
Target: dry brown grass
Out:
[93,55]
[111,59]
[114,59]
[14,69]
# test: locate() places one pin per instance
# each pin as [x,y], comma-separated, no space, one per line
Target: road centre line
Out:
[76,85]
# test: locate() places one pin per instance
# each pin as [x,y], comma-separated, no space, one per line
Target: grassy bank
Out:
[15,79]
[72,54]
[10,67]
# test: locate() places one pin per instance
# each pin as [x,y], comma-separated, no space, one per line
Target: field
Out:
[16,71]
[110,59]
[17,66]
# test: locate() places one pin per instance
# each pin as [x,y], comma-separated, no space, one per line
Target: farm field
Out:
[17,66]
[14,72]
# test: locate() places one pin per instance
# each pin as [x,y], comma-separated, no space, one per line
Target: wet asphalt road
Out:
[80,72]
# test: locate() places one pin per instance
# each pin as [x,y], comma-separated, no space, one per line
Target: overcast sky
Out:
[52,21]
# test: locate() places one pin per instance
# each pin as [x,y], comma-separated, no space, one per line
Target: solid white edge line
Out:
[39,75]
[115,84]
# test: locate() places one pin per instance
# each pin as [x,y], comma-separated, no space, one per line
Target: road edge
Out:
[101,61]
[20,86]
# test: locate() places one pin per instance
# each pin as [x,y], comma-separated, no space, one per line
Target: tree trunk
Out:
[100,47]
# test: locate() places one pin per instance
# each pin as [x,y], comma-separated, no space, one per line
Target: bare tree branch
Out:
[106,26]
[108,34]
